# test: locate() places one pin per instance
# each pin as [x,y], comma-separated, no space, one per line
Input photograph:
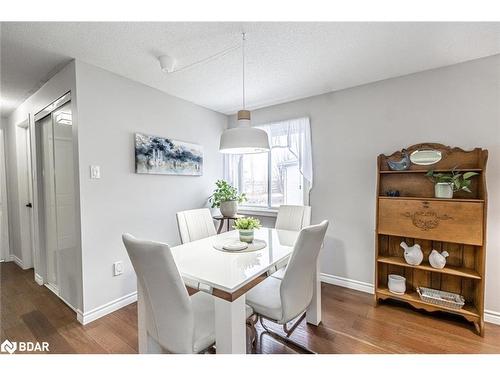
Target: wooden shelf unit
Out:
[456,225]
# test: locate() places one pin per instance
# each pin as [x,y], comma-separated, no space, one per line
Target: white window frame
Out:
[248,208]
[233,169]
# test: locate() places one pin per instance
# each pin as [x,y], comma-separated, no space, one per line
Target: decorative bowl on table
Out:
[235,246]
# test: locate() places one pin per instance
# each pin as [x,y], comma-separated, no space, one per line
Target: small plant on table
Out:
[246,227]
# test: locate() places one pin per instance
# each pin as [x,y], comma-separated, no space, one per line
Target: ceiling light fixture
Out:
[167,63]
[244,139]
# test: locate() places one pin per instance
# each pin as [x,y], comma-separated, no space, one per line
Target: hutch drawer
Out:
[438,220]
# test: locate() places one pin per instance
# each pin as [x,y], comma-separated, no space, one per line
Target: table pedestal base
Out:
[230,327]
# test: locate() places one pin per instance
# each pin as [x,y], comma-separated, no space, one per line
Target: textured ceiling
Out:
[285,61]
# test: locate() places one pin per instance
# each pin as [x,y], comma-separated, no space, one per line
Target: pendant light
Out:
[244,139]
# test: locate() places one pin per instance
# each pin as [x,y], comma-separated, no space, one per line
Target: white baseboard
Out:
[489,315]
[347,283]
[53,289]
[38,279]
[492,317]
[17,261]
[98,312]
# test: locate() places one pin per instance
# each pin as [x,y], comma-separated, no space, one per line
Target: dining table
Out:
[227,276]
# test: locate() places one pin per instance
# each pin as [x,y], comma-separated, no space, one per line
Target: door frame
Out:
[25,179]
[4,222]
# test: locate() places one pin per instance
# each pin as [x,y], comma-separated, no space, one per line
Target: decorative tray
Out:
[441,298]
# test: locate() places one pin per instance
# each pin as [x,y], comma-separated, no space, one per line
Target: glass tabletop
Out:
[228,271]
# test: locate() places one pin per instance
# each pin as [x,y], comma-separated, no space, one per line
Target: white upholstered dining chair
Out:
[293,218]
[175,321]
[195,224]
[281,301]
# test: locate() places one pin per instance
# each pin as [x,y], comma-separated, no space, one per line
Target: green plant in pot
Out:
[226,197]
[246,227]
[448,183]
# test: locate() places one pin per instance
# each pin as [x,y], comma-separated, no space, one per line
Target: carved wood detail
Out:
[426,220]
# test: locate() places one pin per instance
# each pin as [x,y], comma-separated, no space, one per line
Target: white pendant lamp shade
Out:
[244,139]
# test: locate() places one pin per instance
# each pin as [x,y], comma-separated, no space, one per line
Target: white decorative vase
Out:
[229,208]
[443,190]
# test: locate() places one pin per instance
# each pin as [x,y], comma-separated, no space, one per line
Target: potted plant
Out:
[246,227]
[447,183]
[226,197]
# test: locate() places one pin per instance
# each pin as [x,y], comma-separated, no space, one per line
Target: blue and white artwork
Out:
[158,155]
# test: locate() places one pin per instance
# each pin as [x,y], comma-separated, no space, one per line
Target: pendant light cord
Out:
[207,59]
[218,55]
[243,35]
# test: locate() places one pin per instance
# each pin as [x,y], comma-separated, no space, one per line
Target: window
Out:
[283,176]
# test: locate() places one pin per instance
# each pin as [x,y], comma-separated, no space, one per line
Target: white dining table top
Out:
[228,271]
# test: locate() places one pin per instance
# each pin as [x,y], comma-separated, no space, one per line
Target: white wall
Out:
[457,105]
[12,188]
[110,110]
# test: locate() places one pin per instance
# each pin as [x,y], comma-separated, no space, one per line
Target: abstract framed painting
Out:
[158,155]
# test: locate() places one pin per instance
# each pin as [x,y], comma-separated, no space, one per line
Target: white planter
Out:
[229,208]
[396,284]
[246,235]
[443,190]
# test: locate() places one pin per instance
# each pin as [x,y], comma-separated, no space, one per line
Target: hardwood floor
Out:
[351,324]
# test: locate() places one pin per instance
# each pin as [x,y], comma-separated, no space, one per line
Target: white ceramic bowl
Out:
[396,284]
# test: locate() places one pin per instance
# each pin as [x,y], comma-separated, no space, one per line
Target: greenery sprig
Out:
[247,223]
[459,181]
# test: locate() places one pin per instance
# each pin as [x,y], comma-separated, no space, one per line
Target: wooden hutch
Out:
[456,225]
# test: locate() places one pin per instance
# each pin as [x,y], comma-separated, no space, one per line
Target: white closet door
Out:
[56,176]
[49,199]
[65,198]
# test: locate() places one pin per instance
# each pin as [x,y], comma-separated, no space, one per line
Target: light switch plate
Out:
[118,268]
[95,172]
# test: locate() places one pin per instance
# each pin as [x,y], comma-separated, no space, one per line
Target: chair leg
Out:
[252,333]
[285,339]
[295,325]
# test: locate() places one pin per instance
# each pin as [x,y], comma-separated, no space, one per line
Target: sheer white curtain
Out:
[292,135]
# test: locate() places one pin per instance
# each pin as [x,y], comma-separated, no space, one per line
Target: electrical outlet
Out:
[117,268]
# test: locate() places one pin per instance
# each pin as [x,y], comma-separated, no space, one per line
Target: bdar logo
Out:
[9,347]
